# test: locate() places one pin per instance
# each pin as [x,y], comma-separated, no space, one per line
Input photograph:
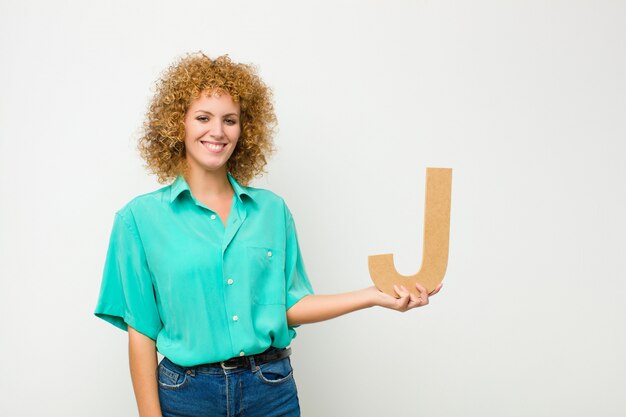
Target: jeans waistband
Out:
[236,363]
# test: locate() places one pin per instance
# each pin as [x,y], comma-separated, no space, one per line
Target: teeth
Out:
[214,146]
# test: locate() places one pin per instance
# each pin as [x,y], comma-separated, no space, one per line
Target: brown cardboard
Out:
[436,240]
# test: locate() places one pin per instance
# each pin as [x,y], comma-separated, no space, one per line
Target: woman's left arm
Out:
[314,308]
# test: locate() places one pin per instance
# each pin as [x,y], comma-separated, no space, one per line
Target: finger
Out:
[415,301]
[401,290]
[404,299]
[411,299]
[436,290]
[397,290]
[423,293]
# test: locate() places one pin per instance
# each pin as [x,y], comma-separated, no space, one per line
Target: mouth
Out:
[213,147]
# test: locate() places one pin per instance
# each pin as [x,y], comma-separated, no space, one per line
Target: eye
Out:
[202,118]
[230,122]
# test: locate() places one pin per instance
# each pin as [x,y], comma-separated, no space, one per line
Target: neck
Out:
[208,183]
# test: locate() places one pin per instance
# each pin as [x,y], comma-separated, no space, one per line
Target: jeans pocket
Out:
[276,372]
[171,378]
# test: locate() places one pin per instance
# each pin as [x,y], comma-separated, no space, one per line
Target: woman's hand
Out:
[320,307]
[406,300]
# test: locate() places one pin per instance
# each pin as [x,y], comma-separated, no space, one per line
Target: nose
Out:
[216,130]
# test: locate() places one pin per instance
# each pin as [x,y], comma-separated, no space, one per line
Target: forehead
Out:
[214,102]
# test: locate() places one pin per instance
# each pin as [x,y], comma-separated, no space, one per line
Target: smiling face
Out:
[212,128]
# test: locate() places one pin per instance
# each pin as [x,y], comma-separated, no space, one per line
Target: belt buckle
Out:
[225,367]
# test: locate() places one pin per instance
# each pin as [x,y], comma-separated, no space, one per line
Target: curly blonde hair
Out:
[162,142]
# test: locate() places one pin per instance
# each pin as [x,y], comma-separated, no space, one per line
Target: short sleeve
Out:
[127,295]
[297,280]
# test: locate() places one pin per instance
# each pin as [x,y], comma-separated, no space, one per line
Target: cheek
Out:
[234,132]
[194,131]
[188,138]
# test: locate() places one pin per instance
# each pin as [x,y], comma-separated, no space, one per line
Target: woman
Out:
[206,270]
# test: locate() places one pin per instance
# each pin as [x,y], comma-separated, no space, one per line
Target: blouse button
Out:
[269,253]
[242,353]
[235,318]
[212,216]
[230,281]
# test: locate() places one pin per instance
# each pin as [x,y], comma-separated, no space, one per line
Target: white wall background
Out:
[526,100]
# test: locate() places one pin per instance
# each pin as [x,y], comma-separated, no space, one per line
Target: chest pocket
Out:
[266,270]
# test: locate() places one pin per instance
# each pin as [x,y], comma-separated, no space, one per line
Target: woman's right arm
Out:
[143,371]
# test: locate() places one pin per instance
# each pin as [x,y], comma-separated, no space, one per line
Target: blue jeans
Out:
[266,390]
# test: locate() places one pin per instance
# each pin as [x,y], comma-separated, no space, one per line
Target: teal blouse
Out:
[204,291]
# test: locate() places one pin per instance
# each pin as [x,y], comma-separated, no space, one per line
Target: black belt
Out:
[244,361]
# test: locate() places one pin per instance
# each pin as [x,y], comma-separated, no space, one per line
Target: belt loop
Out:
[253,366]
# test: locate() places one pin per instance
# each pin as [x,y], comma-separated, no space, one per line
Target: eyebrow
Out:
[208,112]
